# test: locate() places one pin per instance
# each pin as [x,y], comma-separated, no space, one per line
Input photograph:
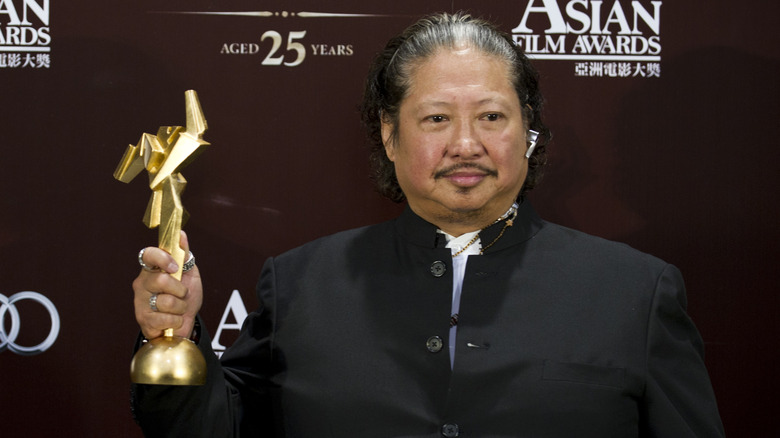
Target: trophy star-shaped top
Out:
[166,153]
[185,146]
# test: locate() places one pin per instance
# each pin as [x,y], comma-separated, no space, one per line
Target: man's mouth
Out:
[465,174]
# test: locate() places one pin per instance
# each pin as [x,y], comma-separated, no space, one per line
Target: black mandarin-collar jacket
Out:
[561,334]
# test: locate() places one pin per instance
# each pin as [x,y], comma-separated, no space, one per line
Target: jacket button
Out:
[434,344]
[438,268]
[450,430]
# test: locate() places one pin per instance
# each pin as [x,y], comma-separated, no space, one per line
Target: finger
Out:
[158,323]
[190,268]
[169,313]
[167,303]
[149,283]
[156,257]
[184,243]
[154,323]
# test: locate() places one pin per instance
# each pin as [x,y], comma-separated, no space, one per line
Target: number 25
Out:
[291,45]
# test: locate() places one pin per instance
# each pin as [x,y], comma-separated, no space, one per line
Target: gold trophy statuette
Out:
[169,359]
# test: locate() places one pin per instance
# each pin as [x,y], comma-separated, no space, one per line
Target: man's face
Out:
[459,153]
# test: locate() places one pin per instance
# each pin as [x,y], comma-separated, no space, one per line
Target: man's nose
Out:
[465,142]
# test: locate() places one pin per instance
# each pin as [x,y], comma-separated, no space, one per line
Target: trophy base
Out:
[168,360]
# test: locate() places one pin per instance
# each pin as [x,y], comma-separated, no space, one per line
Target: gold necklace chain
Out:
[509,222]
[510,216]
[471,242]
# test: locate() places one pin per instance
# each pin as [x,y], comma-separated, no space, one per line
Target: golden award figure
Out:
[169,359]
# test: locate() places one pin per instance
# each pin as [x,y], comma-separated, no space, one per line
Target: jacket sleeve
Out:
[237,399]
[679,400]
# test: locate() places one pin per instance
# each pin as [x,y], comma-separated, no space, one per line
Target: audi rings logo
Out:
[8,339]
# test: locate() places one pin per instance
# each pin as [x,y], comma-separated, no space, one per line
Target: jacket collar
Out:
[418,231]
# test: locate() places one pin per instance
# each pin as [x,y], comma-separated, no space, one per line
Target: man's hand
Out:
[178,302]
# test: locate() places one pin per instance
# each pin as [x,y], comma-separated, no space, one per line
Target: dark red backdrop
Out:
[681,165]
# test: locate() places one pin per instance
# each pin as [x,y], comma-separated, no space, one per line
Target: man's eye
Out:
[436,119]
[492,117]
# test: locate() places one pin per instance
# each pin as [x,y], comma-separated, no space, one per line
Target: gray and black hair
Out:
[389,80]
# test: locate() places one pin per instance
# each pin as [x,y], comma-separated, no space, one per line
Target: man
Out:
[466,316]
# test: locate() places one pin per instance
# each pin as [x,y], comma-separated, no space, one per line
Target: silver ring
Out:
[144,265]
[153,303]
[190,263]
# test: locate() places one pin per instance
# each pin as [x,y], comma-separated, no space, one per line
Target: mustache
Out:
[455,167]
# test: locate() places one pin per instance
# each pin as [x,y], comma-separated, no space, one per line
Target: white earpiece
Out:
[532,136]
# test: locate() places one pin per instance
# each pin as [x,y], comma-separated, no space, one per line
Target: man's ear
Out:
[387,139]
